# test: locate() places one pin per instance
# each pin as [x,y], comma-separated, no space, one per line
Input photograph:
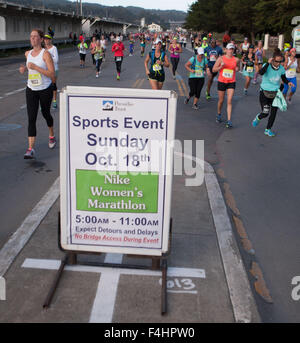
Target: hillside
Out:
[129,14]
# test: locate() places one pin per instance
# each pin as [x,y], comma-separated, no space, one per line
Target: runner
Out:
[226,39]
[54,54]
[98,53]
[212,52]
[196,65]
[83,48]
[92,46]
[227,66]
[39,90]
[175,49]
[118,49]
[103,43]
[273,72]
[143,45]
[244,47]
[159,60]
[197,45]
[192,41]
[260,54]
[291,66]
[249,60]
[131,45]
[204,43]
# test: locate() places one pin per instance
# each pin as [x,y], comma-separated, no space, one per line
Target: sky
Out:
[180,5]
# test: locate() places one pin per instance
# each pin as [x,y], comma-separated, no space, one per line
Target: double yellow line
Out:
[138,83]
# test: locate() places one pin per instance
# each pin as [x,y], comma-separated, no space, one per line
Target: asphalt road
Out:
[259,174]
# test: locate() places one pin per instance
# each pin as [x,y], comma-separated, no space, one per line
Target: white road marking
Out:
[16,243]
[15,92]
[104,302]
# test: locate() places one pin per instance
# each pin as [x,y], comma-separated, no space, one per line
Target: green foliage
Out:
[248,17]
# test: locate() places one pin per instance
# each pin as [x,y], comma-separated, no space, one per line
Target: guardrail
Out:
[7,45]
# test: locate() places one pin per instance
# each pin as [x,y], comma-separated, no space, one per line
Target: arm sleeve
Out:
[284,79]
[264,69]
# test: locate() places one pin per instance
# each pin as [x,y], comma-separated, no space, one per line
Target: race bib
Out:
[35,78]
[199,72]
[82,51]
[249,69]
[291,73]
[156,67]
[176,53]
[118,59]
[213,58]
[228,73]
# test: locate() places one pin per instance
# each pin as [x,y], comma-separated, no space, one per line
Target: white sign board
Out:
[116,162]
[296,38]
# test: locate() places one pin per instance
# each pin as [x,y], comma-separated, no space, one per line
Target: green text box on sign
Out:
[98,191]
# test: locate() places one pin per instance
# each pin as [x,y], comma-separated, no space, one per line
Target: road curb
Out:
[243,303]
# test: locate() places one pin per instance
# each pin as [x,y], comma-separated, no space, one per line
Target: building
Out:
[154,28]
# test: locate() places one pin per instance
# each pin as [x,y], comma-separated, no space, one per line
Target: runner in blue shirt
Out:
[213,51]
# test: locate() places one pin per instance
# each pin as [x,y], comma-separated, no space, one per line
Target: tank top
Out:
[103,43]
[259,55]
[249,66]
[175,51]
[37,81]
[156,68]
[291,71]
[245,47]
[227,73]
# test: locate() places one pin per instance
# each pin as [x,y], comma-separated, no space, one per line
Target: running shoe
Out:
[29,154]
[208,96]
[289,100]
[195,107]
[269,133]
[54,104]
[118,77]
[219,118]
[255,121]
[97,75]
[52,142]
[245,91]
[186,100]
[228,124]
[254,82]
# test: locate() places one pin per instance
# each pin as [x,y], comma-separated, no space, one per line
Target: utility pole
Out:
[81,7]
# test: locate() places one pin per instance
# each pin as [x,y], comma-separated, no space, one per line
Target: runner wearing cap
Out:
[175,49]
[118,49]
[204,44]
[54,54]
[159,60]
[212,52]
[291,66]
[227,66]
[249,60]
[196,65]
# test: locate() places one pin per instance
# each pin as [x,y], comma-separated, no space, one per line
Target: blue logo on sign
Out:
[107,105]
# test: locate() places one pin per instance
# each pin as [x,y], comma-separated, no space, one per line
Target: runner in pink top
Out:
[118,49]
[227,66]
[175,49]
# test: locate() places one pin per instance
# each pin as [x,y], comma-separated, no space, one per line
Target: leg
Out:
[221,95]
[199,86]
[153,84]
[32,101]
[45,100]
[230,93]
[272,117]
[192,87]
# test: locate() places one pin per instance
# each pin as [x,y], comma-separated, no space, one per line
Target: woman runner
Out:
[175,49]
[227,66]
[39,89]
[159,60]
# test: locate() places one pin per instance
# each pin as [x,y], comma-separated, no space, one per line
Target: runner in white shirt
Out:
[291,66]
[54,54]
[103,45]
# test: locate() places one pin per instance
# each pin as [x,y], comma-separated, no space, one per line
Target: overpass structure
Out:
[17,21]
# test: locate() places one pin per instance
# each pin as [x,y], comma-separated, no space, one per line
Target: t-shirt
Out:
[271,79]
[83,48]
[199,67]
[213,54]
[292,69]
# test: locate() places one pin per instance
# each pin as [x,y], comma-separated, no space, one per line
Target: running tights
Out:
[33,99]
[196,85]
[118,65]
[267,109]
[174,62]
[98,64]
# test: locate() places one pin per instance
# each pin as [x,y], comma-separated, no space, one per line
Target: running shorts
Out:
[223,86]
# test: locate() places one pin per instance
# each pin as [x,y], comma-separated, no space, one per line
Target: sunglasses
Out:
[278,61]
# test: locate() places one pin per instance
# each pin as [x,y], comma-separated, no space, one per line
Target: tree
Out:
[241,14]
[207,15]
